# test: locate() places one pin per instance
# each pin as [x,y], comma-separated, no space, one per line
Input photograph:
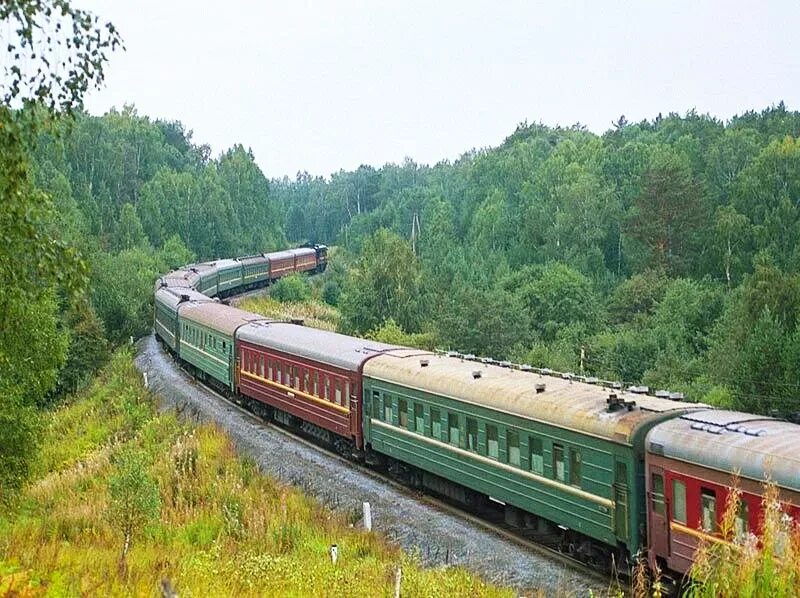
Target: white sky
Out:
[331,85]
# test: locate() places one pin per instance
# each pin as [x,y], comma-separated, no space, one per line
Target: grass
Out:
[222,528]
[765,566]
[315,313]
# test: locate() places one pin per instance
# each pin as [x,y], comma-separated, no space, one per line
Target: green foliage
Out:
[384,284]
[199,516]
[559,240]
[122,291]
[390,332]
[291,288]
[763,566]
[128,232]
[134,499]
[19,443]
[556,296]
[88,348]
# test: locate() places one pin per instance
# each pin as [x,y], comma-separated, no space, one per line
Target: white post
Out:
[367,517]
[398,576]
[144,374]
[334,553]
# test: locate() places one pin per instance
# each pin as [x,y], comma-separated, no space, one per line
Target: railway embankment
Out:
[129,499]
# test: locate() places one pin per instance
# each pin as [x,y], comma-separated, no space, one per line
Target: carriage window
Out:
[278,372]
[269,369]
[472,434]
[558,462]
[708,505]
[376,404]
[387,409]
[316,383]
[436,424]
[419,418]
[679,501]
[741,525]
[402,413]
[537,455]
[347,393]
[452,428]
[575,467]
[337,383]
[657,493]
[513,447]
[296,375]
[306,380]
[262,365]
[492,443]
[326,387]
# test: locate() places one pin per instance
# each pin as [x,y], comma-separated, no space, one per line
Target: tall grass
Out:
[315,313]
[766,566]
[222,528]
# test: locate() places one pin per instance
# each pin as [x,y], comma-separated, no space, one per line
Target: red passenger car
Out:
[311,374]
[689,463]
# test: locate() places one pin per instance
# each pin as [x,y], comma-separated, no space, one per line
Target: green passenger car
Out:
[546,445]
[167,303]
[207,338]
[230,275]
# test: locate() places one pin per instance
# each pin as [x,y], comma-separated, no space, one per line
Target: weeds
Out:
[765,566]
[222,529]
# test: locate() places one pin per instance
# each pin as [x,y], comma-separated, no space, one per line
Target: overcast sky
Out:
[323,86]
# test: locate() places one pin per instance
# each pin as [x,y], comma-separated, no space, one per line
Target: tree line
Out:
[663,252]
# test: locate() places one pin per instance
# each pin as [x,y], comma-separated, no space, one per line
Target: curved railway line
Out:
[486,520]
[587,467]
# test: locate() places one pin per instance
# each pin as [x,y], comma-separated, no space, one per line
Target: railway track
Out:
[486,519]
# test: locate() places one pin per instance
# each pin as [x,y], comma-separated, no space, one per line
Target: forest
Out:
[661,253]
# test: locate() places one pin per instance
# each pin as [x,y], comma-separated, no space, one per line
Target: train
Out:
[614,474]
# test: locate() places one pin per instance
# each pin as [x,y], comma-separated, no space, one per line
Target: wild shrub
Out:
[764,566]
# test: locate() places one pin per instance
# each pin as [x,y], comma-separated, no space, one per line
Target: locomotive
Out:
[616,473]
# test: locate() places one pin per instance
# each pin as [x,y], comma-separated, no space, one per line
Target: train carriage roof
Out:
[218,316]
[250,260]
[566,403]
[182,278]
[227,264]
[172,297]
[303,251]
[280,255]
[753,445]
[334,349]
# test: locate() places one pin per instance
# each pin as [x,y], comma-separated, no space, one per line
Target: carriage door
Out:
[621,501]
[657,513]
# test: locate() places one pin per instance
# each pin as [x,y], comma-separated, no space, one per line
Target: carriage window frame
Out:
[377,405]
[453,430]
[419,418]
[471,436]
[679,501]
[492,442]
[575,461]
[387,409]
[559,463]
[402,413]
[436,423]
[536,453]
[513,454]
[657,500]
[708,510]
